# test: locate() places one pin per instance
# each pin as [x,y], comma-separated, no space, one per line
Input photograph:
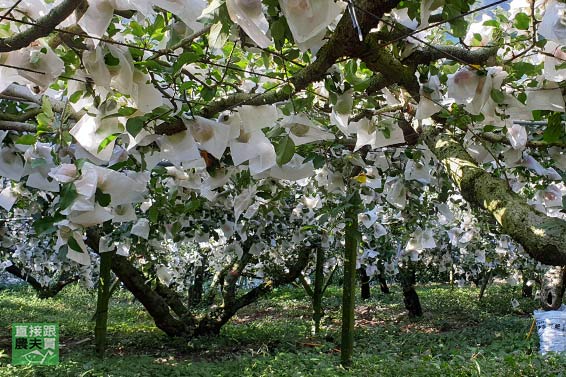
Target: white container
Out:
[551,328]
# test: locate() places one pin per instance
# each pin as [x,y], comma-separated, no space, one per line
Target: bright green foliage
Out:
[458,336]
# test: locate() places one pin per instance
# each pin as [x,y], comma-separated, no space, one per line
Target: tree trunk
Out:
[159,301]
[383,287]
[383,284]
[318,289]
[410,296]
[196,289]
[527,289]
[364,282]
[451,277]
[485,282]
[352,237]
[103,298]
[553,286]
[155,304]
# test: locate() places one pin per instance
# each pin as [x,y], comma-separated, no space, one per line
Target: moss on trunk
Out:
[542,237]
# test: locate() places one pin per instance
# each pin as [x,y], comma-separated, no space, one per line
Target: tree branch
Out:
[6,125]
[42,28]
[22,93]
[429,54]
[542,237]
[344,41]
[495,138]
[29,114]
[135,281]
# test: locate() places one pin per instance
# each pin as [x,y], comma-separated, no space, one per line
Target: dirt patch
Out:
[255,315]
[251,314]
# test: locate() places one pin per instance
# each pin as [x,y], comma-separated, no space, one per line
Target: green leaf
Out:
[497,96]
[459,27]
[386,132]
[73,244]
[362,85]
[192,206]
[45,224]
[126,111]
[176,228]
[28,139]
[522,21]
[208,93]
[46,106]
[153,214]
[278,29]
[68,195]
[524,68]
[318,161]
[111,60]
[134,125]
[285,150]
[185,58]
[43,120]
[102,198]
[492,23]
[76,96]
[107,141]
[555,129]
[275,132]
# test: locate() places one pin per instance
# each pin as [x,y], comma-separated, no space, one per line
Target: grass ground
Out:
[457,336]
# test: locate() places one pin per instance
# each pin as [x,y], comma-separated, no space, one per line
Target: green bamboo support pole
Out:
[103,298]
[352,238]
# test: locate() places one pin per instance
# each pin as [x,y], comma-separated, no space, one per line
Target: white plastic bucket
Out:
[551,328]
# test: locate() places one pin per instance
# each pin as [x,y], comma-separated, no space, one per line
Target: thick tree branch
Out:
[212,322]
[344,41]
[495,138]
[428,54]
[383,63]
[135,282]
[29,114]
[21,93]
[43,291]
[542,237]
[42,28]
[6,125]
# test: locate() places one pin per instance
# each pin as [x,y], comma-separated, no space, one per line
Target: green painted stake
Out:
[103,298]
[349,286]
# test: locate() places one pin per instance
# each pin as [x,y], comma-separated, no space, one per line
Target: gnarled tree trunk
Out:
[166,306]
[553,286]
[43,291]
[411,299]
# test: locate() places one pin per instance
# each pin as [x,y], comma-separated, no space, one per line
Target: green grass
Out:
[457,336]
